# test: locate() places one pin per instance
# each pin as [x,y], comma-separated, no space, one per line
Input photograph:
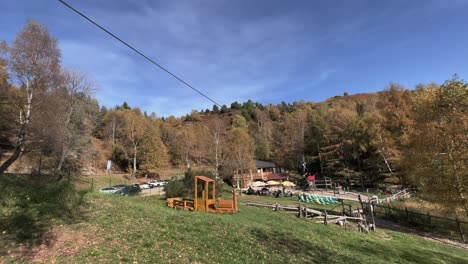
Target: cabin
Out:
[265,170]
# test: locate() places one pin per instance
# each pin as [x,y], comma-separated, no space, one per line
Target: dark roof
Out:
[264,164]
[277,176]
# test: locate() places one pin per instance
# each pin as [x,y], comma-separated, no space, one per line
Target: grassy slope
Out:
[127,229]
[145,230]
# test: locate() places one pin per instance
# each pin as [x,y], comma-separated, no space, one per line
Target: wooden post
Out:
[234,198]
[371,205]
[214,191]
[460,230]
[342,205]
[325,220]
[300,210]
[407,215]
[389,210]
[360,201]
[305,209]
[40,165]
[206,196]
[429,220]
[195,195]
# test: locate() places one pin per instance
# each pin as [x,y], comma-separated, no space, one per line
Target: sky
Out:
[264,50]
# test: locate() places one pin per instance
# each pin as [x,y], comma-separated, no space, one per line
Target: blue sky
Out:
[267,51]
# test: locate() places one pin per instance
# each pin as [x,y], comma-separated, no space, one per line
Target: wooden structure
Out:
[323,216]
[208,198]
[204,198]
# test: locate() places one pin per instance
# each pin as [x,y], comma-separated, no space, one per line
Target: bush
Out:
[190,176]
[175,189]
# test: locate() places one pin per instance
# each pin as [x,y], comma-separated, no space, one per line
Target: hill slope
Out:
[128,229]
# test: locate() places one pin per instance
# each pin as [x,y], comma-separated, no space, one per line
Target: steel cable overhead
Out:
[138,52]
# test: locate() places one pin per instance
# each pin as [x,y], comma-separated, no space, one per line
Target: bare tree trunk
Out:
[62,160]
[320,158]
[216,138]
[113,132]
[384,158]
[386,163]
[134,159]
[66,143]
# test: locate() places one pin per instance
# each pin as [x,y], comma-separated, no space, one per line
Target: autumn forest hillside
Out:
[51,124]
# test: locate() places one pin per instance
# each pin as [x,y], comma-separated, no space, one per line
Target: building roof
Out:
[260,164]
[277,176]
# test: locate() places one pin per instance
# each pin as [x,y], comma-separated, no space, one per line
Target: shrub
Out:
[175,189]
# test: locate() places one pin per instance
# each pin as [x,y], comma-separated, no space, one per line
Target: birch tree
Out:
[34,61]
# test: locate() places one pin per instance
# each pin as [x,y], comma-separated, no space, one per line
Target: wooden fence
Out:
[444,226]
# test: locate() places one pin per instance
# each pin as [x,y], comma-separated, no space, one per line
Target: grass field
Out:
[111,229]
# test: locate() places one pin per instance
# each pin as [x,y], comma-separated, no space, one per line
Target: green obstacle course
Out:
[315,198]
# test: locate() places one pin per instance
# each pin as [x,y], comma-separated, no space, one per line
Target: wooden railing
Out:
[186,204]
[405,193]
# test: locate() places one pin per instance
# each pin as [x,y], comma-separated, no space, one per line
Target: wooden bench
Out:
[170,201]
[180,203]
[225,206]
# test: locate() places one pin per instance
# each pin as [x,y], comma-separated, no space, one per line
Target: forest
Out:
[51,124]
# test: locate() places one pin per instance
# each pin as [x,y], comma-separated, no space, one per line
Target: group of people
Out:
[266,191]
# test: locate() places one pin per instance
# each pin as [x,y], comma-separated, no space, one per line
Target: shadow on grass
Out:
[29,208]
[301,249]
[405,254]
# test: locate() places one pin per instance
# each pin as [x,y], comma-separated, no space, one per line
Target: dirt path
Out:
[429,236]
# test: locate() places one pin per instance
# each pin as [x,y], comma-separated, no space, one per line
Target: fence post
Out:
[371,207]
[429,220]
[389,210]
[407,215]
[305,210]
[300,210]
[460,229]
[342,205]
[325,220]
[360,201]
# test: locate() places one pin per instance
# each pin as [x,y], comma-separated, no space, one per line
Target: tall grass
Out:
[28,208]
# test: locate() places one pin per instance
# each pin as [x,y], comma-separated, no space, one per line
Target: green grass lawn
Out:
[115,229]
[336,207]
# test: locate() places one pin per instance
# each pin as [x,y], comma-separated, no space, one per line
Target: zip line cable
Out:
[137,51]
